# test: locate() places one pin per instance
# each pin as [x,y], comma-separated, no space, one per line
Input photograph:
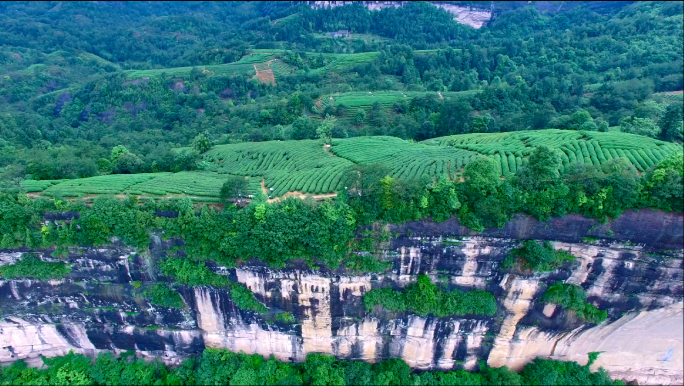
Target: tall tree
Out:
[671,123]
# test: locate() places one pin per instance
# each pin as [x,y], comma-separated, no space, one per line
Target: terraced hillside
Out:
[261,59]
[591,147]
[244,66]
[306,167]
[286,166]
[200,185]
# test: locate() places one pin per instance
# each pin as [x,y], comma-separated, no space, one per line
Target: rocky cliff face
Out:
[638,280]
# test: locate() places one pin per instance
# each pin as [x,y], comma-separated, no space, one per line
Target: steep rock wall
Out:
[97,308]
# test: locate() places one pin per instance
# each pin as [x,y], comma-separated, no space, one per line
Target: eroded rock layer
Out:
[98,307]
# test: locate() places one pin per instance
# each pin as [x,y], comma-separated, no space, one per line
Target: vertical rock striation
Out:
[96,308]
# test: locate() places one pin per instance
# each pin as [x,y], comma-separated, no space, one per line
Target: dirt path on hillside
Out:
[265,75]
[296,194]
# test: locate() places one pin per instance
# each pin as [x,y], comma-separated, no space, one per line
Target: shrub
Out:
[188,272]
[161,295]
[424,298]
[540,257]
[33,268]
[573,297]
[285,317]
[244,298]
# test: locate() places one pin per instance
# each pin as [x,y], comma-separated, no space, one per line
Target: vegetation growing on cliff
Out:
[161,295]
[573,297]
[424,298]
[31,267]
[538,257]
[222,367]
[188,272]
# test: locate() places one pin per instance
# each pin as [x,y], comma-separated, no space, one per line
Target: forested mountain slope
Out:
[340,186]
[74,96]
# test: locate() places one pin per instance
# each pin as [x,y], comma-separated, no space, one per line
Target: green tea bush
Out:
[573,297]
[30,267]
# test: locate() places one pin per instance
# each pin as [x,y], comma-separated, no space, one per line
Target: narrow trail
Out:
[296,194]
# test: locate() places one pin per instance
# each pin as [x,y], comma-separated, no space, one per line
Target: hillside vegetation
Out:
[306,166]
[152,78]
[241,133]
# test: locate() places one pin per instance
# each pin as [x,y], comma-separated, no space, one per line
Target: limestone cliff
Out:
[638,280]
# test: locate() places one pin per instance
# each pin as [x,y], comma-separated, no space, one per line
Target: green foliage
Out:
[235,188]
[244,298]
[424,297]
[306,167]
[324,232]
[641,126]
[541,257]
[593,356]
[663,185]
[389,299]
[31,267]
[573,297]
[671,123]
[218,366]
[285,317]
[187,272]
[366,263]
[325,129]
[161,295]
[550,372]
[201,143]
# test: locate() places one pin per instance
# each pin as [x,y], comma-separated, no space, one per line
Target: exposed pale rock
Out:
[644,345]
[517,303]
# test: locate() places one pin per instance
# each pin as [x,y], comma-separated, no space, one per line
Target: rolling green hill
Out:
[307,167]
